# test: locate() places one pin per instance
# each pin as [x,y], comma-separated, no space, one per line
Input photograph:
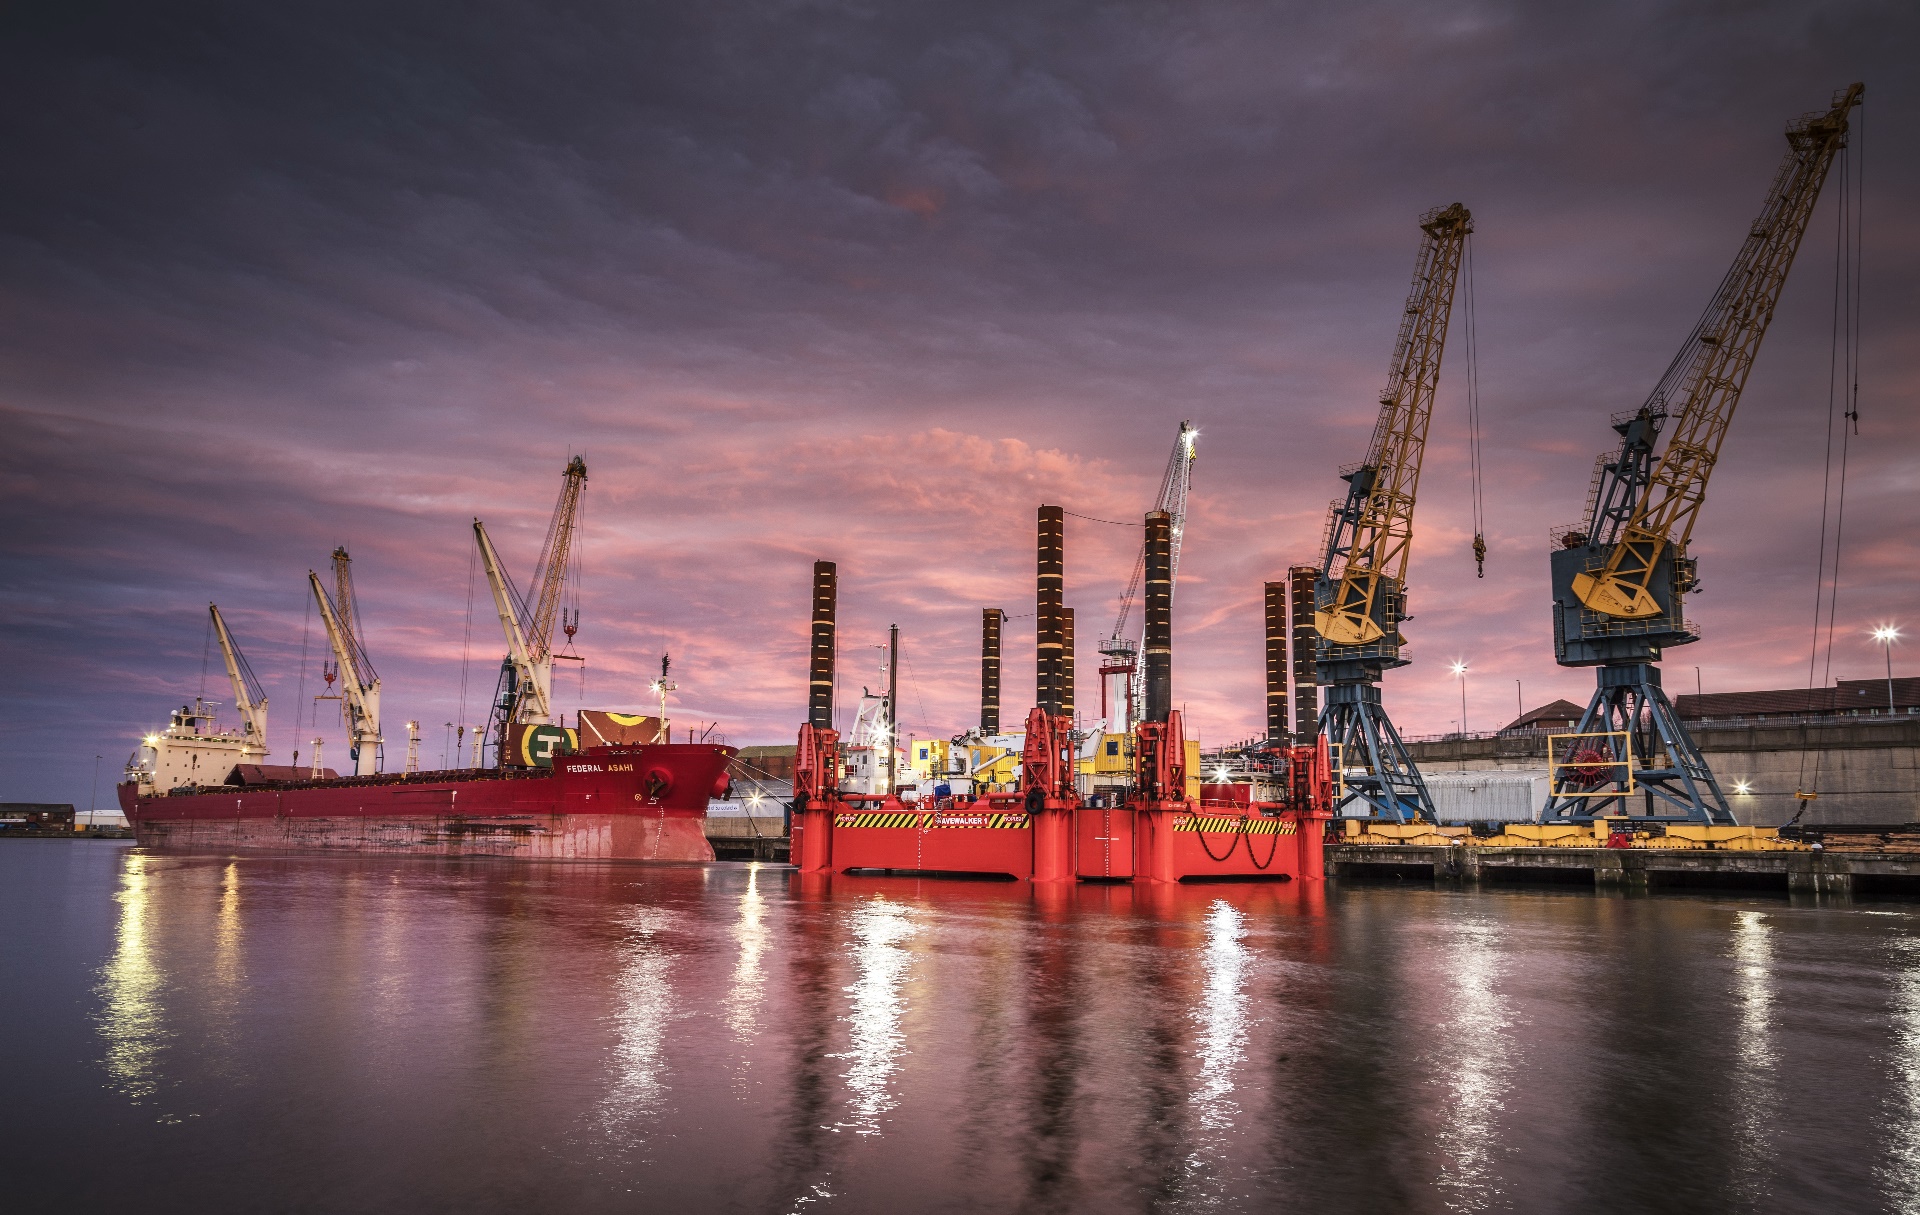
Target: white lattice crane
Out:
[526,687]
[249,698]
[359,682]
[1120,652]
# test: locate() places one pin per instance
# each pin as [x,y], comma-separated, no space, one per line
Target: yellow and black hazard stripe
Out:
[909,818]
[1254,826]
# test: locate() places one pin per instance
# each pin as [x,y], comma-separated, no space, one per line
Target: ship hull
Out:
[643,803]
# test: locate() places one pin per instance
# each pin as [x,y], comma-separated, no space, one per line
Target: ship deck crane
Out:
[1620,579]
[1120,653]
[249,698]
[526,673]
[359,682]
[1360,596]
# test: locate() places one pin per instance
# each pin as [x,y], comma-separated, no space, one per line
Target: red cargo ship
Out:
[632,797]
[638,803]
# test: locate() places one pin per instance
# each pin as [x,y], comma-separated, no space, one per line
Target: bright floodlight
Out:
[1886,634]
[1459,668]
[1741,786]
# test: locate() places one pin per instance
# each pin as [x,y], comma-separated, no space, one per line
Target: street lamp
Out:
[93,795]
[1460,672]
[1886,635]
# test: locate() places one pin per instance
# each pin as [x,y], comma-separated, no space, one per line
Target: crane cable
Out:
[300,694]
[1473,425]
[466,650]
[1843,391]
[1090,519]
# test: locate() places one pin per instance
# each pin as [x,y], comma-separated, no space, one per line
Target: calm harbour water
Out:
[364,1034]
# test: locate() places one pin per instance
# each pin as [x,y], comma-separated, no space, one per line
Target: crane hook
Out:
[1480,553]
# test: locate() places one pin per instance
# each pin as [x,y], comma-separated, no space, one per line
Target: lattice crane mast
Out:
[249,698]
[1620,579]
[359,682]
[1120,653]
[1360,596]
[526,675]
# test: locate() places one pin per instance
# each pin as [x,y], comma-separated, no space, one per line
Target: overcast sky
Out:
[870,282]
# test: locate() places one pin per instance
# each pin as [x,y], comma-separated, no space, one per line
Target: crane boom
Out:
[359,686]
[550,573]
[1174,484]
[348,611]
[533,677]
[249,699]
[1706,377]
[1370,534]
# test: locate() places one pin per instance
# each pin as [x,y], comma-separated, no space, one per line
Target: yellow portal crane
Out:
[1620,578]
[1360,595]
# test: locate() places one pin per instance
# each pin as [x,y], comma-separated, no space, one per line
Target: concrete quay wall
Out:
[1865,770]
[1816,871]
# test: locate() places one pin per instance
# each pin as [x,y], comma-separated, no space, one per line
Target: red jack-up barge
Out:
[1151,832]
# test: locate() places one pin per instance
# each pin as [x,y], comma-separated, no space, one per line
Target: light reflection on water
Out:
[749,971]
[132,1020]
[1753,1074]
[1477,1042]
[1901,1171]
[226,963]
[643,1009]
[496,1039]
[1220,1021]
[875,1041]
